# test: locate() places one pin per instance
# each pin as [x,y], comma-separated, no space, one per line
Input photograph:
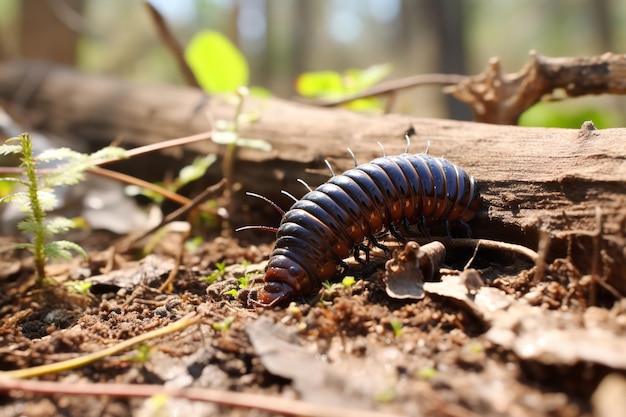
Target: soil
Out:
[351,347]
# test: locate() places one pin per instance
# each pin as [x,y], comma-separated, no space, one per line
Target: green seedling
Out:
[244,282]
[224,324]
[142,354]
[78,287]
[396,326]
[215,275]
[233,293]
[426,373]
[385,396]
[348,281]
[39,197]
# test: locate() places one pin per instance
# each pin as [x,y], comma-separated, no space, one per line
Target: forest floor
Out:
[521,345]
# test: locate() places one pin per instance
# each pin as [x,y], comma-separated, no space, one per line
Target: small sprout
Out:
[244,282]
[245,263]
[78,287]
[224,324]
[221,267]
[192,245]
[327,284]
[142,354]
[396,326]
[476,348]
[211,278]
[385,396]
[233,293]
[426,373]
[348,281]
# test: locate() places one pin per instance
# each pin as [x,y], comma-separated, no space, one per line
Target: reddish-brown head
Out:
[284,279]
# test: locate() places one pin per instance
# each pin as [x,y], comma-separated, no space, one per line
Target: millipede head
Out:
[284,280]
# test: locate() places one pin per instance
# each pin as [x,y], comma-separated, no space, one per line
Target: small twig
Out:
[270,404]
[492,244]
[210,192]
[540,262]
[172,45]
[388,87]
[181,324]
[129,179]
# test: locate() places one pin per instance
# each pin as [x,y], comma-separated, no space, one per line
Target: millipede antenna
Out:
[356,164]
[383,148]
[332,173]
[288,194]
[301,181]
[267,200]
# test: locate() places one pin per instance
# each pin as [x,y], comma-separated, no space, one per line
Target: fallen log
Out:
[531,179]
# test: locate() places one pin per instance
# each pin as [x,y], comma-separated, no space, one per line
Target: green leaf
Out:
[216,62]
[58,154]
[10,149]
[60,249]
[356,80]
[319,84]
[59,225]
[196,170]
[30,226]
[109,152]
[257,144]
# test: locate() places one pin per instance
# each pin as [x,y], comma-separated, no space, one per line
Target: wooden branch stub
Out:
[502,98]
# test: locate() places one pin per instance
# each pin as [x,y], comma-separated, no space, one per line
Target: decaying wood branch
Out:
[502,98]
[532,179]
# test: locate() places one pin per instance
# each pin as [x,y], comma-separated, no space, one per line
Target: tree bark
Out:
[531,179]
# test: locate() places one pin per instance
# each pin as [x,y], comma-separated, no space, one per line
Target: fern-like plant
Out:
[39,197]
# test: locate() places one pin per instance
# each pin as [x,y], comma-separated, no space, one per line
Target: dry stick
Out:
[172,45]
[492,244]
[275,405]
[181,324]
[129,179]
[210,192]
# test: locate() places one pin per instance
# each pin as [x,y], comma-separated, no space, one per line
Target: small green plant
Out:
[78,287]
[396,326]
[348,281]
[142,354]
[224,324]
[426,373]
[39,196]
[215,275]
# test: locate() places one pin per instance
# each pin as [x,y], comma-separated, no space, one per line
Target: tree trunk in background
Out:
[448,16]
[44,33]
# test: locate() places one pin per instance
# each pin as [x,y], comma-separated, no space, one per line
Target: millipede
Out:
[364,203]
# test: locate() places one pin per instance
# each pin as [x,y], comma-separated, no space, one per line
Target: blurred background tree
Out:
[283,38]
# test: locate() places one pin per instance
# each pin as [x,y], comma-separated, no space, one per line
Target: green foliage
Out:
[218,65]
[348,281]
[78,287]
[396,326]
[213,276]
[565,115]
[331,85]
[39,196]
[224,324]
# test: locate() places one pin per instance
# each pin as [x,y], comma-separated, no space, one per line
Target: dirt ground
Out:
[519,345]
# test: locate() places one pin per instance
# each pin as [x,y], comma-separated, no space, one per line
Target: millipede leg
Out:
[379,245]
[396,233]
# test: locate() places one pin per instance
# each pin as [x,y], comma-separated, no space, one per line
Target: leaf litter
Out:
[476,343]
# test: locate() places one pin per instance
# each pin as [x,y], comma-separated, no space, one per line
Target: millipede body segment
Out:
[325,225]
